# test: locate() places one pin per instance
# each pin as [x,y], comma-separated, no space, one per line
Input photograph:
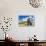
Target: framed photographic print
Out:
[26,20]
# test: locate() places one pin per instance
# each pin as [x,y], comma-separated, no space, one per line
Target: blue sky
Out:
[21,17]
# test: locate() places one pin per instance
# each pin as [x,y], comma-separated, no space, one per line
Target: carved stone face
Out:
[35,3]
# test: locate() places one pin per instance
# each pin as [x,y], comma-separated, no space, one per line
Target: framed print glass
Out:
[26,20]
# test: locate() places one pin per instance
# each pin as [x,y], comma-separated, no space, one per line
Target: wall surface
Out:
[13,8]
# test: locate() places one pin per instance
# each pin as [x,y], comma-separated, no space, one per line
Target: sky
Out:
[21,17]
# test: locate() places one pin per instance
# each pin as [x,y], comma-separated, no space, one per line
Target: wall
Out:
[12,8]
